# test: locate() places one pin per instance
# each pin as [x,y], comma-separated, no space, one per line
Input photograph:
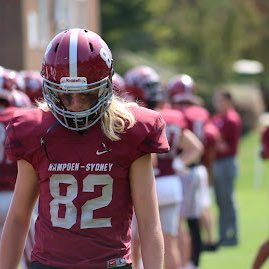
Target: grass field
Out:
[252,195]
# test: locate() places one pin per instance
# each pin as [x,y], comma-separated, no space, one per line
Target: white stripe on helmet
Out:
[73,55]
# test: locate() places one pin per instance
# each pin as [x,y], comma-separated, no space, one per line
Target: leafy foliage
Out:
[202,38]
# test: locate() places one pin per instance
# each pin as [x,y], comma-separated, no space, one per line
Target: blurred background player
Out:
[225,168]
[8,169]
[32,84]
[196,205]
[10,100]
[264,137]
[143,83]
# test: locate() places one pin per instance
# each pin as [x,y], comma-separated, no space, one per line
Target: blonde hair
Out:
[115,120]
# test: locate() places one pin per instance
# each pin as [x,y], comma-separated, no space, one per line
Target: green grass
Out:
[253,210]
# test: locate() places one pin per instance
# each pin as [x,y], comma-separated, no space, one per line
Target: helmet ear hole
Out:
[56,47]
[91,47]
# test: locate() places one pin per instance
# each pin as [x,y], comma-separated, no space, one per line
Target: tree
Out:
[202,38]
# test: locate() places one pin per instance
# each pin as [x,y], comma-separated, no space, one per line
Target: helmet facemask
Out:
[81,120]
[153,93]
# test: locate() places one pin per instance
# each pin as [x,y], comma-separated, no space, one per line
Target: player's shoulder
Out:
[30,121]
[147,122]
[197,110]
[149,128]
[233,116]
[27,114]
[144,115]
[173,116]
[171,111]
[211,131]
[7,113]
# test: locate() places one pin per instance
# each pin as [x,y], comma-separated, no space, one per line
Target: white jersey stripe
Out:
[73,71]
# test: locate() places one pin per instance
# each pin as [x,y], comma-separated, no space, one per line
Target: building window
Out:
[38,25]
[43,22]
[70,14]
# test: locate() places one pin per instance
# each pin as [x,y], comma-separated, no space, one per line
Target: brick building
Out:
[27,26]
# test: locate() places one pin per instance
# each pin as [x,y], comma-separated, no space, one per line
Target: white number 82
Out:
[70,217]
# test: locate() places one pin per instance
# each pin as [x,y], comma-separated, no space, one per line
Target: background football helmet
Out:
[10,86]
[143,83]
[181,88]
[21,99]
[32,84]
[77,61]
[7,79]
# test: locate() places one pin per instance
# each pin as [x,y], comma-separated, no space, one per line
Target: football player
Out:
[10,100]
[143,82]
[196,205]
[225,168]
[87,155]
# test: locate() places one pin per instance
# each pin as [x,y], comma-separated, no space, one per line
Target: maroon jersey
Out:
[8,168]
[229,126]
[198,120]
[85,206]
[212,136]
[196,117]
[175,124]
[265,143]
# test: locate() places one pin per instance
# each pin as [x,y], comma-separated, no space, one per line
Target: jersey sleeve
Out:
[148,135]
[156,140]
[14,147]
[21,136]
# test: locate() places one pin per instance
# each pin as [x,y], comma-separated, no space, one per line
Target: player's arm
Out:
[144,197]
[19,215]
[192,147]
[210,158]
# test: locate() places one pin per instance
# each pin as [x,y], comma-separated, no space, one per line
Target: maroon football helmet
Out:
[143,83]
[181,88]
[8,79]
[32,84]
[77,61]
[21,99]
[9,93]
